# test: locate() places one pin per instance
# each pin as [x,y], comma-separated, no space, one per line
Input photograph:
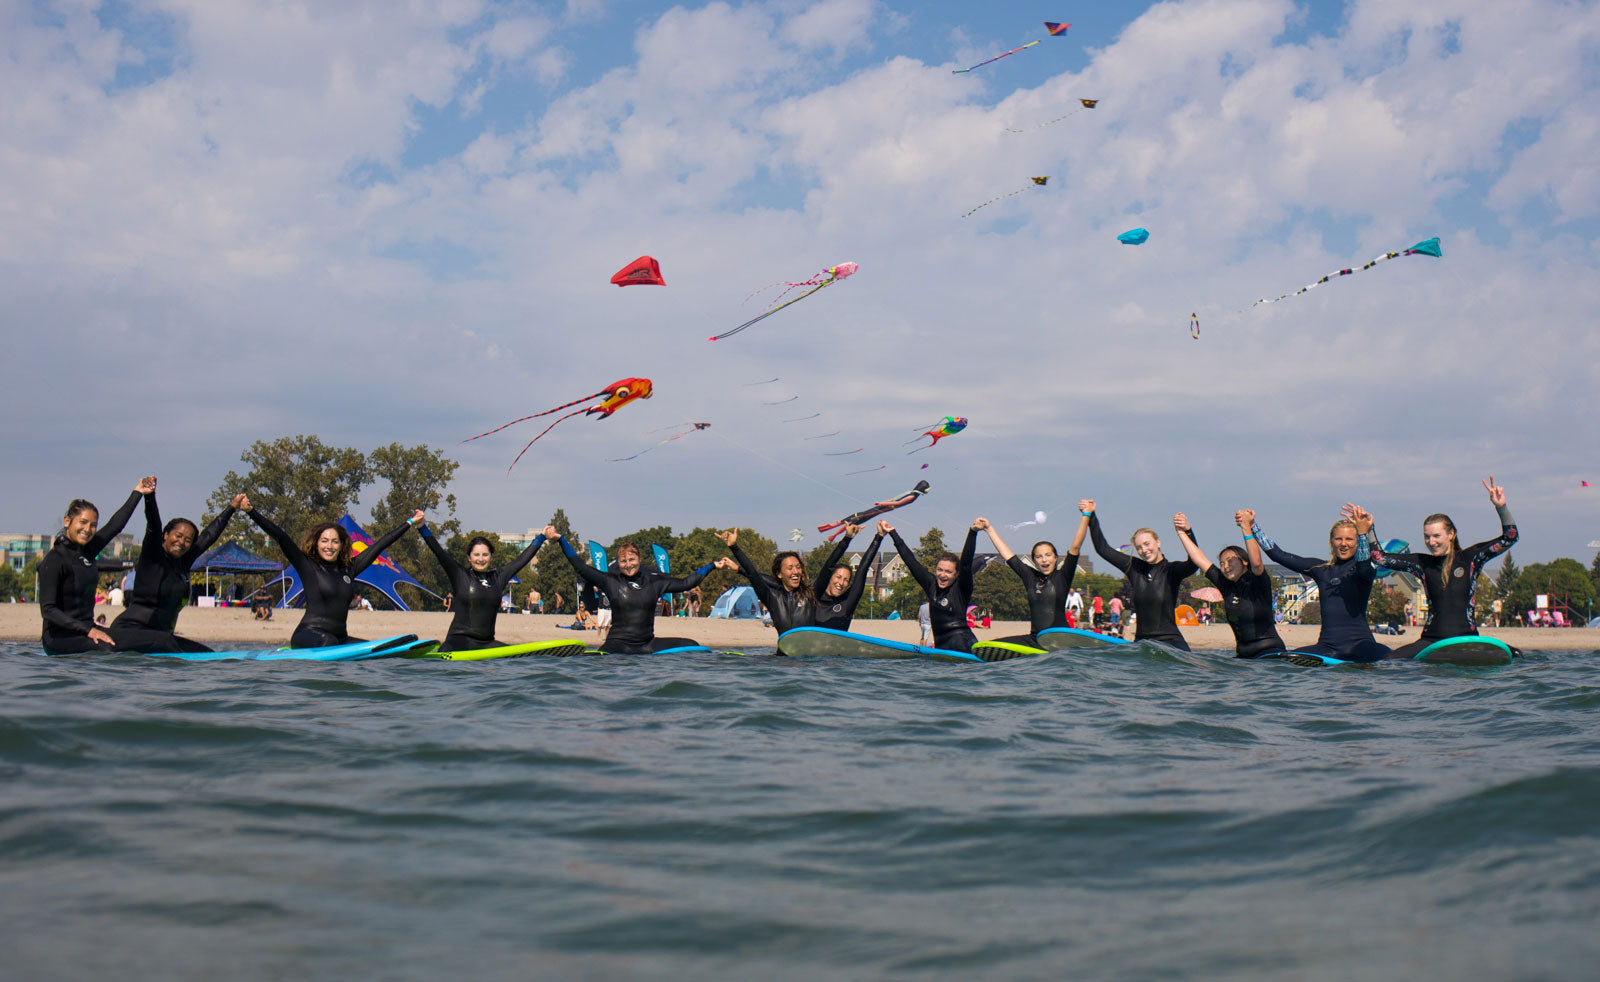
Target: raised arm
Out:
[585,572]
[1180,524]
[994,537]
[821,582]
[858,582]
[914,566]
[683,584]
[1245,518]
[452,569]
[1283,557]
[1101,546]
[509,571]
[1369,544]
[964,567]
[1077,537]
[370,555]
[152,525]
[212,532]
[299,560]
[113,526]
[1484,551]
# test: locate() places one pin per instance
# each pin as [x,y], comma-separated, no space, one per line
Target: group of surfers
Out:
[327,565]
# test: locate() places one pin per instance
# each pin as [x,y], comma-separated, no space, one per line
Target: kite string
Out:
[779,463]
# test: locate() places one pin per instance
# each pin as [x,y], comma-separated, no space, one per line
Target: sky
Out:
[375,222]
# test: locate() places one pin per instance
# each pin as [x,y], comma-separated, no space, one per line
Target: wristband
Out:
[1249,537]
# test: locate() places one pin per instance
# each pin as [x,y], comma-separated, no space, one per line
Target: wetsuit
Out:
[1247,604]
[328,588]
[1451,604]
[67,579]
[633,603]
[161,581]
[1153,586]
[837,612]
[477,595]
[1343,589]
[789,608]
[947,607]
[1047,596]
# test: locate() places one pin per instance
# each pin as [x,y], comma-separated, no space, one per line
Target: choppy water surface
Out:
[1108,816]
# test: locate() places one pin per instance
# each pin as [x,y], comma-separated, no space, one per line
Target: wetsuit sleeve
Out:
[683,584]
[964,568]
[1371,545]
[1103,548]
[1186,567]
[914,566]
[509,572]
[209,535]
[586,573]
[858,582]
[1023,571]
[152,524]
[1214,574]
[1483,553]
[51,574]
[452,569]
[113,527]
[299,560]
[760,582]
[370,554]
[821,582]
[1283,557]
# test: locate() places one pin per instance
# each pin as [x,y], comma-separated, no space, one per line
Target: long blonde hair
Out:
[1455,543]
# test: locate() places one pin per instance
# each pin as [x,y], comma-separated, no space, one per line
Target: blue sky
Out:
[235,221]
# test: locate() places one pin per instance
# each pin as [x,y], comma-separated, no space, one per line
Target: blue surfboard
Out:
[1063,638]
[398,646]
[801,641]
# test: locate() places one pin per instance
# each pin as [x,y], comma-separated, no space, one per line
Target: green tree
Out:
[999,591]
[905,596]
[12,584]
[418,477]
[930,546]
[552,574]
[1564,580]
[698,548]
[1594,572]
[296,481]
[1386,605]
[1311,613]
[1506,580]
[660,535]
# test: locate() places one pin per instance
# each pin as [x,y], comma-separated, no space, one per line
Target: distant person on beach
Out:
[925,623]
[161,578]
[1247,591]
[1047,583]
[475,589]
[327,568]
[68,578]
[838,588]
[633,592]
[1153,580]
[1344,585]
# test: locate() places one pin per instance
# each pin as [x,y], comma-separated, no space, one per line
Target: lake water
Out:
[1128,815]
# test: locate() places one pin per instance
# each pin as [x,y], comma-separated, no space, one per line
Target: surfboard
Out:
[557,649]
[1305,659]
[401,645]
[685,649]
[1468,649]
[1061,638]
[1003,650]
[801,641]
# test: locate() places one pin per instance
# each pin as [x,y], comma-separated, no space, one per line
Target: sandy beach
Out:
[20,622]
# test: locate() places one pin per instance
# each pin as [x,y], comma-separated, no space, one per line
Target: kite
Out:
[820,281]
[1134,236]
[820,436]
[949,426]
[1056,30]
[1038,519]
[868,470]
[614,397]
[1427,247]
[1038,182]
[795,535]
[959,71]
[693,428]
[843,453]
[1585,484]
[643,271]
[1083,104]
[798,419]
[878,508]
[768,381]
[1394,547]
[781,401]
[923,467]
[1194,325]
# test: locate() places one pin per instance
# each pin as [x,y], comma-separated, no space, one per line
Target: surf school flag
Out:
[662,564]
[597,556]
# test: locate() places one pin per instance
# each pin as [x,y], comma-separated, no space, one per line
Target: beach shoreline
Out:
[236,625]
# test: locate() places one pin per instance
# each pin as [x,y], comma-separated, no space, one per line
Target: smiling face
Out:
[81,527]
[178,539]
[1045,558]
[1342,539]
[628,561]
[839,582]
[1436,537]
[1231,564]
[1147,546]
[328,545]
[944,572]
[479,557]
[791,572]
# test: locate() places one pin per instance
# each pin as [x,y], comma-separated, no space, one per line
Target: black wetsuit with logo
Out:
[68,576]
[633,603]
[1153,586]
[947,606]
[328,588]
[161,581]
[1247,604]
[1047,596]
[1452,607]
[477,595]
[837,612]
[789,608]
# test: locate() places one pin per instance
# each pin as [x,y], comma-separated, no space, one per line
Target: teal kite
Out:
[1427,247]
[1134,236]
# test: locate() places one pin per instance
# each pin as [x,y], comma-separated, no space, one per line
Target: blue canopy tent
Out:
[231,557]
[737,602]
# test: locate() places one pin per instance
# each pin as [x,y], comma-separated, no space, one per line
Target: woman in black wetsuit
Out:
[67,578]
[161,579]
[1344,585]
[947,588]
[633,591]
[1247,592]
[786,594]
[838,589]
[1448,572]
[1153,580]
[1046,583]
[328,574]
[477,589]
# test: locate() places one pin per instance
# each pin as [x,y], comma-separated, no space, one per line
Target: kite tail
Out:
[769,312]
[547,429]
[547,412]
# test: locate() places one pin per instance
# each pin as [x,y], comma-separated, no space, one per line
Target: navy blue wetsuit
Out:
[837,612]
[1247,604]
[1452,611]
[789,608]
[161,581]
[328,588]
[633,603]
[947,606]
[67,578]
[1343,589]
[1153,586]
[477,595]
